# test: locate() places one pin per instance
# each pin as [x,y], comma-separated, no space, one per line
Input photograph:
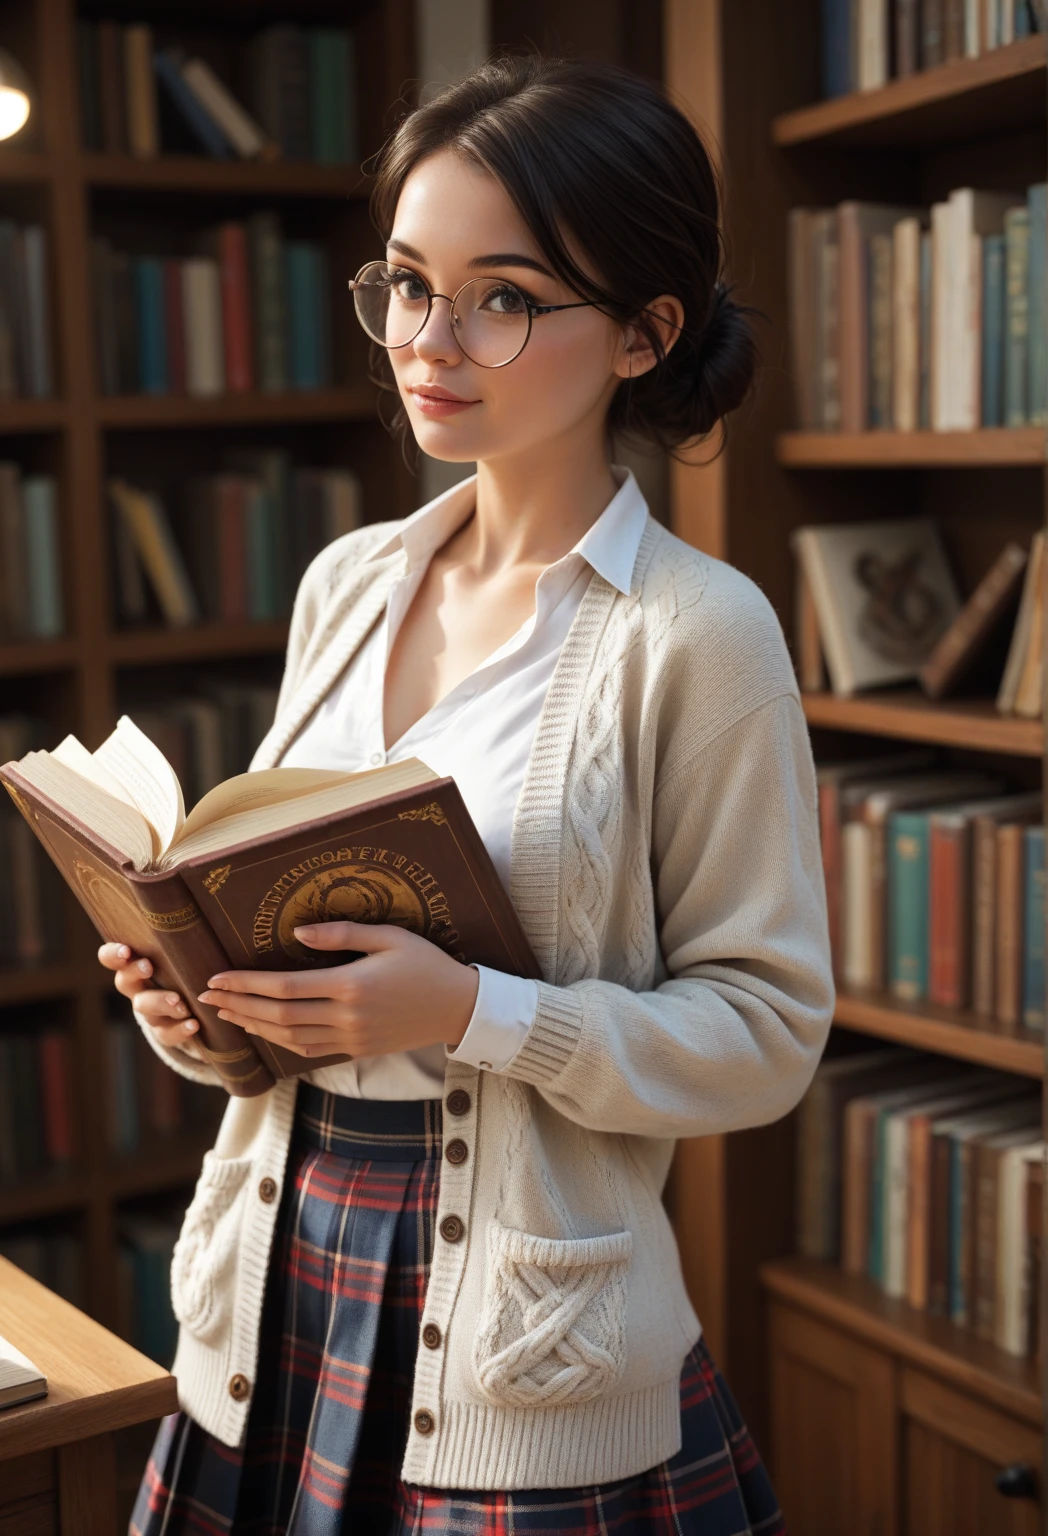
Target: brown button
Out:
[456,1151]
[451,1229]
[459,1102]
[239,1387]
[267,1190]
[431,1336]
[424,1422]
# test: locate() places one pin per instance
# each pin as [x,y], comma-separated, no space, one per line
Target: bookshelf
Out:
[82,679]
[861,1402]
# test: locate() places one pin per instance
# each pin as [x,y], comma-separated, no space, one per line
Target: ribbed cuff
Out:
[552,1038]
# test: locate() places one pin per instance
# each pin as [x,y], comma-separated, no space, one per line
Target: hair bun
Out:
[724,360]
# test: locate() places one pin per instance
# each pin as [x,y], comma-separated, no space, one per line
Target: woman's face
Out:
[454,222]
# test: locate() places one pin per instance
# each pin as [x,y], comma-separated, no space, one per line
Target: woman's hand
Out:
[403,994]
[166,1013]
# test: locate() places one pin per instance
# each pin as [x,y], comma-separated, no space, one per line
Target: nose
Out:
[436,342]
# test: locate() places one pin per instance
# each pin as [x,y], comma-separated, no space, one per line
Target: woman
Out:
[435,1287]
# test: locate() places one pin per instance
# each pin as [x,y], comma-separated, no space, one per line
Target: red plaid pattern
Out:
[340,1330]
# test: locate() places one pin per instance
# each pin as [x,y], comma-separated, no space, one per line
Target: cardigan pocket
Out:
[204,1256]
[552,1327]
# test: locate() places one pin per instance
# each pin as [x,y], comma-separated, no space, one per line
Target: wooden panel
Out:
[37,1517]
[954,1447]
[29,1477]
[87,1487]
[948,1031]
[832,1449]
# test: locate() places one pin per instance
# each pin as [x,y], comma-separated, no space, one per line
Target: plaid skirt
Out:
[328,1422]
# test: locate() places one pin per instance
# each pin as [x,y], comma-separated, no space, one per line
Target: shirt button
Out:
[267,1190]
[425,1422]
[239,1387]
[451,1229]
[376,757]
[459,1102]
[431,1336]
[456,1151]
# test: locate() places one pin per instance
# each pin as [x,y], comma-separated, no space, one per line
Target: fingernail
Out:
[218,982]
[145,967]
[173,1000]
[203,997]
[123,953]
[189,1026]
[307,932]
[224,1014]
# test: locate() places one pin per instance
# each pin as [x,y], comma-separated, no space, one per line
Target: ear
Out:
[636,355]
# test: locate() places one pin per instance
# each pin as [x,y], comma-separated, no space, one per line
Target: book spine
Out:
[1009,958]
[924,416]
[236,307]
[1033,915]
[57,1099]
[210,136]
[111,90]
[270,301]
[143,137]
[939,1227]
[906,320]
[305,359]
[907,38]
[1037,314]
[879,350]
[87,80]
[987,1161]
[984,900]
[948,923]
[1034,1224]
[174,325]
[932,39]
[908,904]
[993,331]
[953,29]
[34,243]
[1016,348]
[149,294]
[44,585]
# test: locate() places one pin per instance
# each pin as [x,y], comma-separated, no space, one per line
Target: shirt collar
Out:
[609,545]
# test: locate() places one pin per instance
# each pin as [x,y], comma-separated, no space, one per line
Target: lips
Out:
[437,392]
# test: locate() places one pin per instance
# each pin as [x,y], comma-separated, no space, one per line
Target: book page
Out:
[130,756]
[16,1369]
[75,755]
[349,790]
[119,824]
[250,791]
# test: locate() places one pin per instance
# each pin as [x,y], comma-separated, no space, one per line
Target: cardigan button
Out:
[451,1229]
[239,1387]
[425,1423]
[456,1151]
[267,1190]
[459,1102]
[431,1336]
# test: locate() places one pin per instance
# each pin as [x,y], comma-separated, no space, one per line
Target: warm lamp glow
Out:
[15,96]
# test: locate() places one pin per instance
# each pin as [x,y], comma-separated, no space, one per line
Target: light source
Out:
[16,95]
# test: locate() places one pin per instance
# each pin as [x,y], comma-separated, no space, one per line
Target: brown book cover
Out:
[1009,943]
[112,93]
[960,645]
[949,895]
[409,855]
[939,1226]
[987,1155]
[1024,809]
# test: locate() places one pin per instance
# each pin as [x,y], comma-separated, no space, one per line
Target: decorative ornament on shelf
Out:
[16,96]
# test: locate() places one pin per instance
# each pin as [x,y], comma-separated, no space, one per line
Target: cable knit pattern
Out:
[665,866]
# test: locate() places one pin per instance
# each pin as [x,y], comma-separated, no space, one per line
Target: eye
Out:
[407,286]
[505,299]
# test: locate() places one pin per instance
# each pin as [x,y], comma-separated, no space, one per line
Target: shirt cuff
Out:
[503,1014]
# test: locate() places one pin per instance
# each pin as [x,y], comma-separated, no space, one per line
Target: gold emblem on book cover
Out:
[216,879]
[20,801]
[431,812]
[358,892]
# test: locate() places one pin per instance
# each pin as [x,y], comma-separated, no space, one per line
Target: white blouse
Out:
[480,733]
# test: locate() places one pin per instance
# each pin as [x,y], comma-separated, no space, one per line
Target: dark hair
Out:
[599,153]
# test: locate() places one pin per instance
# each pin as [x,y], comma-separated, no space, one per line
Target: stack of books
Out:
[907,318]
[298,84]
[248,310]
[927,1177]
[37,1130]
[237,544]
[32,906]
[935,886]
[210,735]
[147,1102]
[866,43]
[25,313]
[51,1255]
[31,605]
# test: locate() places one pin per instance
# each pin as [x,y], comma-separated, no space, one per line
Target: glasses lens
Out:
[391,303]
[490,317]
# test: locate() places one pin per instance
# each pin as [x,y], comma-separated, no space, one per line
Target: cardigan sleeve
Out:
[731,1038]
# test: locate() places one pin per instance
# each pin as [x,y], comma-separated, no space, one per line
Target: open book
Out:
[225,886]
[20,1379]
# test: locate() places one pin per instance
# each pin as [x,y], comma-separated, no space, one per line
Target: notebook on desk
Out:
[20,1379]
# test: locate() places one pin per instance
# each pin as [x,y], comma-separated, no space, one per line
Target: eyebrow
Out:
[504,259]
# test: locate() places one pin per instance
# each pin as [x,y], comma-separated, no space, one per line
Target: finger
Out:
[131,979]
[305,1039]
[267,1010]
[163,1007]
[366,936]
[247,984]
[113,956]
[174,1035]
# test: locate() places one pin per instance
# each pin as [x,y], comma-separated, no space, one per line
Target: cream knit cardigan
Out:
[665,866]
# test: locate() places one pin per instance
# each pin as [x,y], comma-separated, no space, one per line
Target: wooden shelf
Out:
[158,1168]
[1015,446]
[25,165]
[934,1343]
[25,656]
[907,714]
[947,1031]
[33,415]
[961,101]
[344,403]
[45,1195]
[196,642]
[199,173]
[40,984]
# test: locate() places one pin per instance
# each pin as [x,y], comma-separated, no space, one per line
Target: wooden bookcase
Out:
[79,682]
[872,1416]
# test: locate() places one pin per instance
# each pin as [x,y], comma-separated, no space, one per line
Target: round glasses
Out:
[490,316]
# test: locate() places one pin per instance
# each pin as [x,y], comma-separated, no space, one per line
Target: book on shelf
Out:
[226,885]
[31,604]
[923,1176]
[959,646]
[25,312]
[37,1126]
[300,100]
[20,1380]
[867,43]
[146,1104]
[246,310]
[32,928]
[209,735]
[909,318]
[145,1249]
[51,1254]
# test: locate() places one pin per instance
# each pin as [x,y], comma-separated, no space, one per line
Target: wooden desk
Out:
[57,1454]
